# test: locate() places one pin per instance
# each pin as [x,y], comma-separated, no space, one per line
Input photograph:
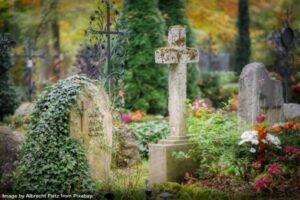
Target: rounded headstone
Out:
[291,111]
[24,109]
[91,123]
[10,143]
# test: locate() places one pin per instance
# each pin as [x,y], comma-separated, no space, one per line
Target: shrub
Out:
[51,161]
[145,81]
[214,137]
[149,132]
[219,87]
[8,97]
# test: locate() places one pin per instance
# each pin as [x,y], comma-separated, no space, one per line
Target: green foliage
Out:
[288,133]
[219,87]
[149,132]
[182,192]
[195,192]
[130,184]
[215,138]
[174,13]
[8,97]
[51,161]
[243,43]
[145,81]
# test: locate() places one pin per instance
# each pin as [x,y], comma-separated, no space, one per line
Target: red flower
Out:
[274,169]
[290,149]
[282,158]
[260,118]
[260,184]
[288,125]
[267,180]
[257,163]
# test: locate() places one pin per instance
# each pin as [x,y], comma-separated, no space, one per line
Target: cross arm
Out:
[169,55]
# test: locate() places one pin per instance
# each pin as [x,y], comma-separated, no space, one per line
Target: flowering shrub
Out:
[277,153]
[260,142]
[132,116]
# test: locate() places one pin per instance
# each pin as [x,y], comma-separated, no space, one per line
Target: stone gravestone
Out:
[259,94]
[10,144]
[163,165]
[25,109]
[91,123]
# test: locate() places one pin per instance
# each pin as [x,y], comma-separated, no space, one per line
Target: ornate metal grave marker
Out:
[108,35]
[282,40]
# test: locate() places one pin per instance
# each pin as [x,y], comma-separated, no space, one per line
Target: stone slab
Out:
[291,112]
[164,166]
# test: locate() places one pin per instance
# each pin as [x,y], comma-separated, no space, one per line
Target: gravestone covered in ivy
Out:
[68,143]
[91,123]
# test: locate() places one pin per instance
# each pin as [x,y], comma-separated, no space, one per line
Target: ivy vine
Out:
[51,161]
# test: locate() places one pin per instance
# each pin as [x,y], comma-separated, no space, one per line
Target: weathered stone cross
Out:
[177,55]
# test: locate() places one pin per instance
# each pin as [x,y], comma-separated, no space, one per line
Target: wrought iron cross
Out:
[28,54]
[108,32]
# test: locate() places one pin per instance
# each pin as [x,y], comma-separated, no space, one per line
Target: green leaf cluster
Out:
[219,87]
[149,132]
[215,140]
[51,161]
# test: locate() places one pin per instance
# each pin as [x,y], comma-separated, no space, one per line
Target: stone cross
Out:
[177,55]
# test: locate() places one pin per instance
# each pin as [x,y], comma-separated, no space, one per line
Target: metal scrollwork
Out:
[104,53]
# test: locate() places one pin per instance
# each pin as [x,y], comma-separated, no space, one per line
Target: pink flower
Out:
[267,180]
[274,169]
[282,158]
[274,166]
[126,118]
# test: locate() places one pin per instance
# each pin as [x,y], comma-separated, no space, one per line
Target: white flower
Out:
[264,141]
[273,139]
[252,150]
[249,136]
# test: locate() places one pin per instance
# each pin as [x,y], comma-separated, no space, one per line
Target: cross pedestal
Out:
[163,165]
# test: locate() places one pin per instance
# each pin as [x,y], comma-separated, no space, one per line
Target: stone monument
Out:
[163,165]
[91,123]
[259,95]
[10,144]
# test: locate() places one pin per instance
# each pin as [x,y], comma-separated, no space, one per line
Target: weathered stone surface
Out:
[127,151]
[10,143]
[259,94]
[291,112]
[25,109]
[163,165]
[91,123]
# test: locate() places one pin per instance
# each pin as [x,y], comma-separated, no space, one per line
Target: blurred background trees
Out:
[57,30]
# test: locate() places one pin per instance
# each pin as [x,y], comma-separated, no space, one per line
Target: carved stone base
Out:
[164,166]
